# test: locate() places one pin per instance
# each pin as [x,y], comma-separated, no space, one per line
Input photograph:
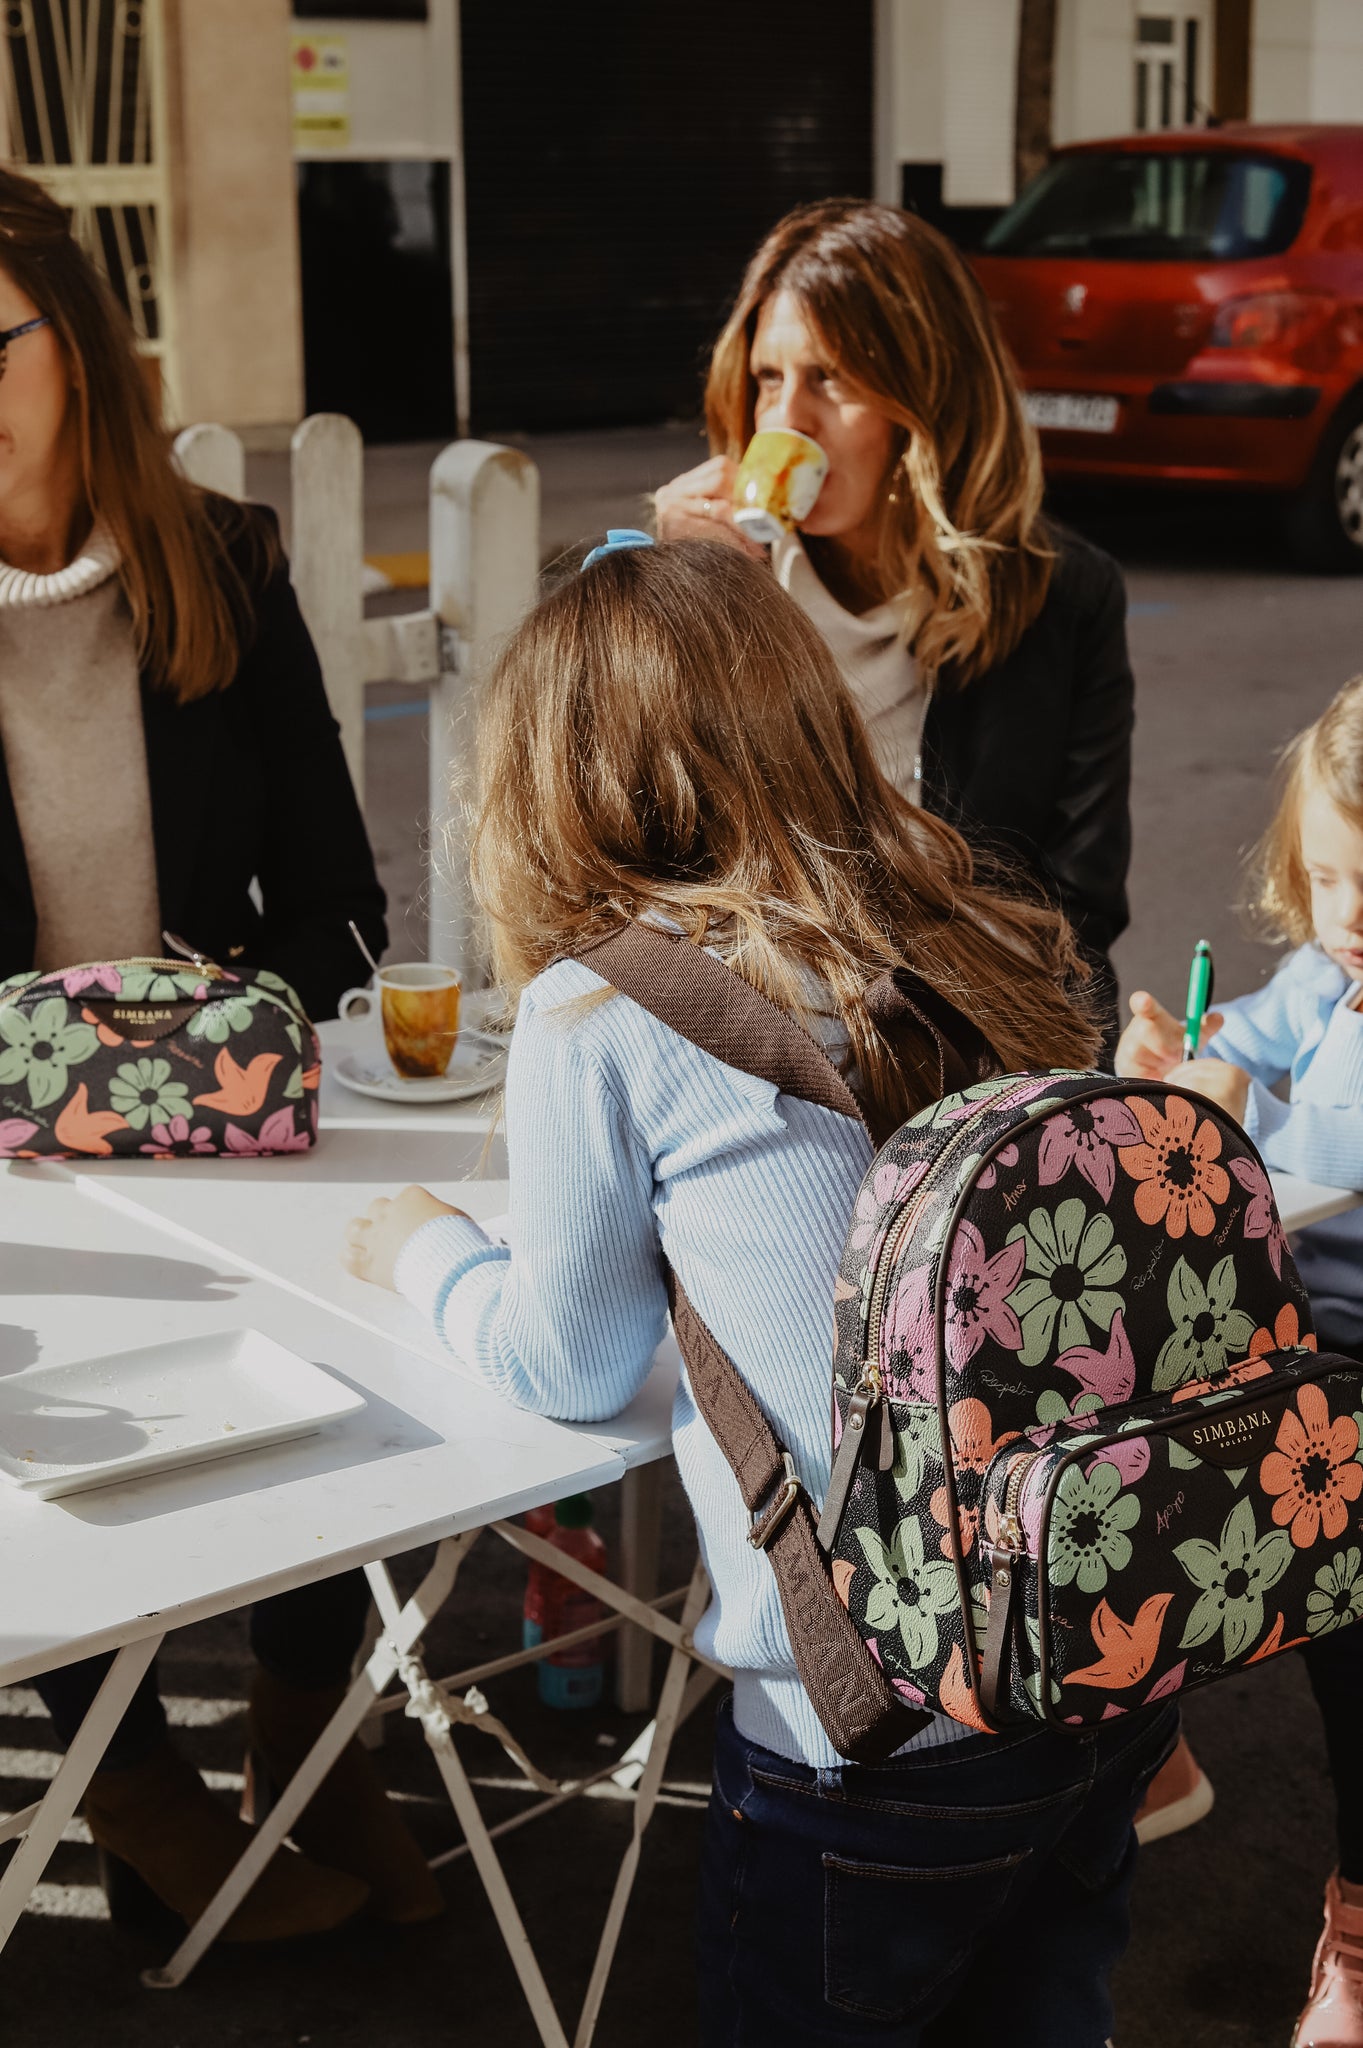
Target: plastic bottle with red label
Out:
[554,1606]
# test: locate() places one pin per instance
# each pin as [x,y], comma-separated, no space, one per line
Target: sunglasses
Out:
[9,334]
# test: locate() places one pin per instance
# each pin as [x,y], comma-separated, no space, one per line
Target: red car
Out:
[1187,308]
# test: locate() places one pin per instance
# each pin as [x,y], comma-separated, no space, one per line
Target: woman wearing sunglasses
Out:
[168,759]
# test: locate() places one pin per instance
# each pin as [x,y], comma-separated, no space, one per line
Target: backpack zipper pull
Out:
[855,1432]
[998,1636]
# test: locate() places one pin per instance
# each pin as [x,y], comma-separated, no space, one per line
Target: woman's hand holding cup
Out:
[700,506]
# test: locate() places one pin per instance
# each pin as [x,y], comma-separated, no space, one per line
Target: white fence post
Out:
[213,458]
[485,517]
[328,562]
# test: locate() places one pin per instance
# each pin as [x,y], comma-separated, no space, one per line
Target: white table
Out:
[430,1458]
[1303,1201]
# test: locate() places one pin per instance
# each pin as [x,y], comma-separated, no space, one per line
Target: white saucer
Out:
[478,1066]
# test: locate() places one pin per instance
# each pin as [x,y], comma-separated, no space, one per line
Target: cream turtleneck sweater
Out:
[75,754]
[879,670]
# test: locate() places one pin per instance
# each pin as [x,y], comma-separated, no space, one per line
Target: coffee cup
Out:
[418,1006]
[778,480]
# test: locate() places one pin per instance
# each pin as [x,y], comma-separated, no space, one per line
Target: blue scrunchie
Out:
[618,537]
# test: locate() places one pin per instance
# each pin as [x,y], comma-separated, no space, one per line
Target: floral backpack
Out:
[155,1059]
[1086,1455]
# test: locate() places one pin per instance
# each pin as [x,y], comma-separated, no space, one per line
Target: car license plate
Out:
[1073,413]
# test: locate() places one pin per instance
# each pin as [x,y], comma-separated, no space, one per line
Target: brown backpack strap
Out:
[702,1000]
[862,1715]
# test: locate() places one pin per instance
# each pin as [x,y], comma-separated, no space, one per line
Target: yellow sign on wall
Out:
[320,73]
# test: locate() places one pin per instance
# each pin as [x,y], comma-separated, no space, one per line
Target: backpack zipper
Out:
[895,1239]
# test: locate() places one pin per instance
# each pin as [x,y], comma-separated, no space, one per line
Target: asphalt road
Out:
[1233,653]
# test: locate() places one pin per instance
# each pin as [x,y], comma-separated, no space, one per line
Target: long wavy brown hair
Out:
[1328,756]
[908,329]
[188,602]
[667,734]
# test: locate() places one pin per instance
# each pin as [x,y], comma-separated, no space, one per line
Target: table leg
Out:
[437,1728]
[670,1708]
[74,1773]
[641,1513]
[402,1629]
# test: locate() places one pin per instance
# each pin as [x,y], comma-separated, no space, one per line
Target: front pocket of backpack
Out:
[1200,1536]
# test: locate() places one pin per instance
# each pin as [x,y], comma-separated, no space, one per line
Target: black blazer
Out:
[247,785]
[1033,758]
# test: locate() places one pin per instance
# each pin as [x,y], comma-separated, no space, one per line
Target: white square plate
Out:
[1073,412]
[64,1428]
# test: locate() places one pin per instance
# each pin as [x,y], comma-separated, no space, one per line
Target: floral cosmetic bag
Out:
[1086,1453]
[155,1059]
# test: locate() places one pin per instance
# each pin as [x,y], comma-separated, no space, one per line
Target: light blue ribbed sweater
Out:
[1299,1026]
[621,1135]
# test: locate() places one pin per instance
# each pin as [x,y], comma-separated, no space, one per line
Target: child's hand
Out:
[374,1240]
[1152,1042]
[1225,1084]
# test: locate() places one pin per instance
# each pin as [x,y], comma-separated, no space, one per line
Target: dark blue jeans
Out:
[967,1897]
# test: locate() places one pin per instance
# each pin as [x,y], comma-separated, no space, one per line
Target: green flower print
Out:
[1338,1598]
[40,1047]
[919,1439]
[217,1020]
[1089,1522]
[909,1589]
[143,1093]
[1072,1263]
[1233,1576]
[148,985]
[1209,1332]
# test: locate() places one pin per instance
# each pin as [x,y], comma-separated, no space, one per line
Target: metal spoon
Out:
[358,937]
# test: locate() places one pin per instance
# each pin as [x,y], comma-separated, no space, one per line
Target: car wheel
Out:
[1324,526]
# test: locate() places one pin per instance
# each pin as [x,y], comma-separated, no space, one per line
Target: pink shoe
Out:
[1180,1794]
[1333,2016]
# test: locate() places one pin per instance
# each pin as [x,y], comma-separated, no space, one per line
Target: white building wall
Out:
[1307,60]
[979,92]
[1095,44]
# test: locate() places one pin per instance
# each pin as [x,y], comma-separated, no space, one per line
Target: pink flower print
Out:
[977,1291]
[1110,1374]
[1006,1156]
[1131,1457]
[901,1685]
[175,1140]
[889,1184]
[15,1133]
[1083,1136]
[907,1349]
[1261,1217]
[77,979]
[276,1134]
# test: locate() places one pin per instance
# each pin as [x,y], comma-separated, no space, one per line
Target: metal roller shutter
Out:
[622,161]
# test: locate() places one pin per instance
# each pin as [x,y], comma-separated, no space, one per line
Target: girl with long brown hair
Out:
[985,648]
[168,758]
[667,741]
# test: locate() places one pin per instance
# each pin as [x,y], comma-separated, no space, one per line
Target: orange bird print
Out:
[240,1090]
[1127,1647]
[82,1129]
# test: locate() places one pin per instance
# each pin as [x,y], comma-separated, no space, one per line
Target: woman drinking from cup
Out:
[986,649]
[166,744]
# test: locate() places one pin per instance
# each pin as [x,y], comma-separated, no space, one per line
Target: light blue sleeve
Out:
[567,1323]
[1319,1134]
[1261,1032]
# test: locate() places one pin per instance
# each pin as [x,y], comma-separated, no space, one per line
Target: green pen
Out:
[1199,998]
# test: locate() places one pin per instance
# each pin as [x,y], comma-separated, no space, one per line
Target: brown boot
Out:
[160,1819]
[350,1823]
